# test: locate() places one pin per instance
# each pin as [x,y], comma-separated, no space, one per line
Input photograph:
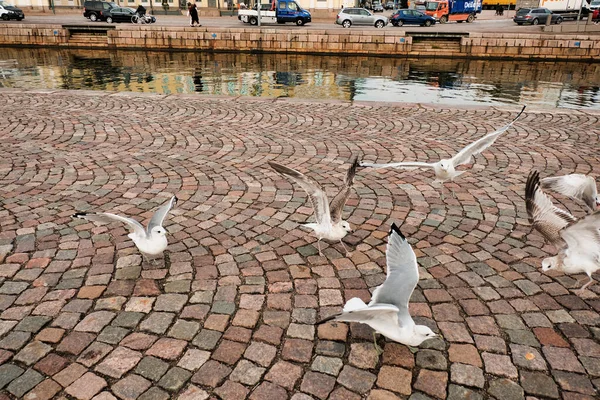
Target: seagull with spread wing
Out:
[387,312]
[577,241]
[577,186]
[151,240]
[445,169]
[329,223]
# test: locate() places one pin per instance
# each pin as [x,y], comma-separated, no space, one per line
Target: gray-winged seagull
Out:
[329,223]
[577,241]
[387,312]
[445,169]
[151,240]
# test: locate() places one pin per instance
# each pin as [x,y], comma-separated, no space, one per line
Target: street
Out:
[486,22]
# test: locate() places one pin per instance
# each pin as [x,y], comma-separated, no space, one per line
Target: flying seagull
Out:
[387,312]
[577,241]
[329,223]
[445,168]
[151,240]
[578,186]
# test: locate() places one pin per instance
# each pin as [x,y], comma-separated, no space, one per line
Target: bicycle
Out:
[141,19]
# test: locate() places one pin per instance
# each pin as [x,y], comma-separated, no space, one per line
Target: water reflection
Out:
[318,77]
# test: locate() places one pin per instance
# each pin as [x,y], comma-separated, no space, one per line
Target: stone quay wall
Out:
[580,47]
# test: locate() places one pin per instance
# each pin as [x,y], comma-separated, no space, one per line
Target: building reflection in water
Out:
[441,81]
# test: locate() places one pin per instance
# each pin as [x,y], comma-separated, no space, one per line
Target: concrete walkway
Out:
[230,313]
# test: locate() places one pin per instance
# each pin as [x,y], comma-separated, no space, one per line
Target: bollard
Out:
[549,20]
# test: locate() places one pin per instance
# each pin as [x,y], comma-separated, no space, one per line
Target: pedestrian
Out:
[596,16]
[193,14]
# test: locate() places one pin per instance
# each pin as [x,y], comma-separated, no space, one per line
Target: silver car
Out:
[360,16]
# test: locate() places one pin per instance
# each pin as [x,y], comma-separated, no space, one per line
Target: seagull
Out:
[445,169]
[387,312]
[577,241]
[151,240]
[578,186]
[329,223]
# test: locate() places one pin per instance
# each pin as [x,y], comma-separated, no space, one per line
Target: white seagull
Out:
[577,241]
[151,240]
[387,312]
[578,186]
[329,223]
[445,169]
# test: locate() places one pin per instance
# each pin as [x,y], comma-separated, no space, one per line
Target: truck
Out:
[277,11]
[453,10]
[569,9]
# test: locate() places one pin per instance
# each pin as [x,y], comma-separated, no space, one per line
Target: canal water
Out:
[441,81]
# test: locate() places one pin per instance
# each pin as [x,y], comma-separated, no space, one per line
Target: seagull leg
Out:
[348,254]
[442,192]
[582,289]
[378,349]
[319,247]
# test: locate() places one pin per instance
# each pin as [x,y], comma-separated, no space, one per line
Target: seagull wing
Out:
[402,276]
[579,186]
[408,164]
[159,216]
[313,189]
[584,236]
[339,201]
[546,218]
[133,225]
[464,156]
[383,312]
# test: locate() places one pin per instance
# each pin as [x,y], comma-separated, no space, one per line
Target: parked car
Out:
[377,7]
[411,17]
[94,10]
[359,16]
[9,11]
[390,5]
[124,14]
[535,16]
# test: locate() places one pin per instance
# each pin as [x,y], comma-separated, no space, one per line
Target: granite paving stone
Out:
[24,383]
[86,387]
[232,308]
[130,387]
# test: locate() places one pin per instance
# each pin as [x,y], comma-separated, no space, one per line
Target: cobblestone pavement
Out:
[231,312]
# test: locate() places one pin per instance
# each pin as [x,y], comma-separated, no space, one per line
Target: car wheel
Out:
[470,18]
[394,23]
[400,23]
[299,22]
[109,20]
[379,24]
[427,23]
[93,17]
[519,23]
[559,20]
[443,19]
[253,21]
[5,17]
[535,22]
[346,23]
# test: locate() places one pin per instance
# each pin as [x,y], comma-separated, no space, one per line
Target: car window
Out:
[365,12]
[523,11]
[106,6]
[292,6]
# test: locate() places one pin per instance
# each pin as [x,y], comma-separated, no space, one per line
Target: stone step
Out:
[92,39]
[435,46]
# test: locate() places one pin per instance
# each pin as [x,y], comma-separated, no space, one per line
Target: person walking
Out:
[193,14]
